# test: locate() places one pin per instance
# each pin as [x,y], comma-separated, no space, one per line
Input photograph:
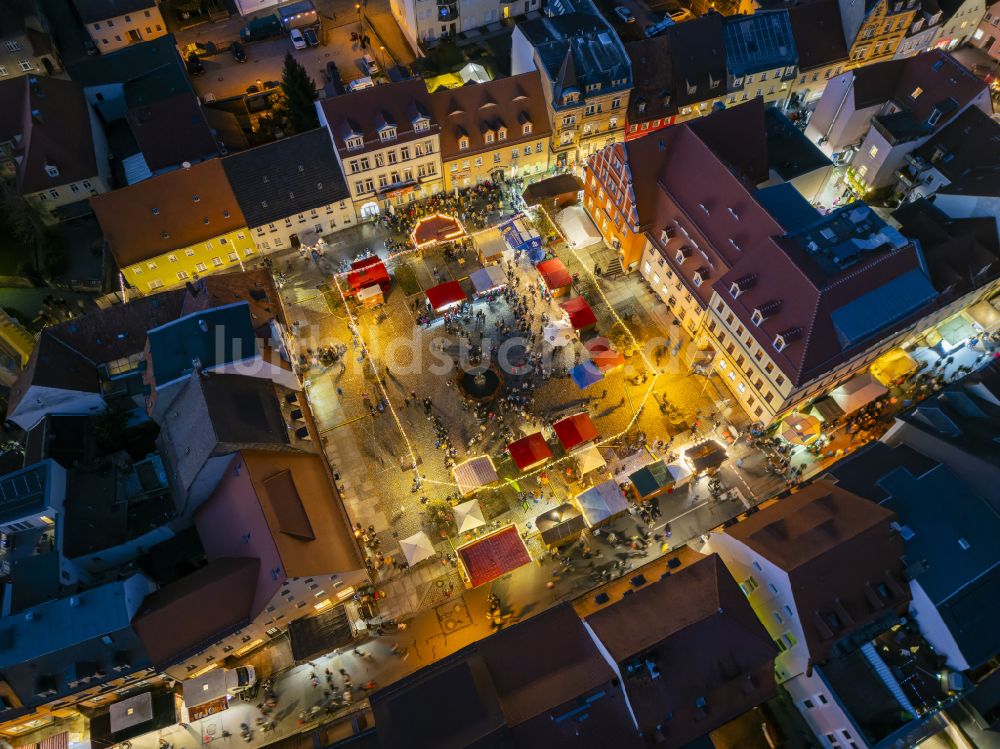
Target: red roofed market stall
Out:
[529,452]
[581,316]
[493,556]
[436,228]
[445,295]
[557,279]
[603,355]
[575,430]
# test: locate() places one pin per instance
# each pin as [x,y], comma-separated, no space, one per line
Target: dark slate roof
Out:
[818,33]
[698,59]
[287,177]
[173,131]
[970,141]
[128,64]
[98,10]
[789,152]
[762,41]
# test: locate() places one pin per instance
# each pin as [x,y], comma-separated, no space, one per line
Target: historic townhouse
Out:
[875,28]
[175,227]
[494,130]
[388,144]
[291,191]
[113,24]
[586,77]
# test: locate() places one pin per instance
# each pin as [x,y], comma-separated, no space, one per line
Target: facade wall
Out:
[307,226]
[961,27]
[47,201]
[671,288]
[178,267]
[769,592]
[112,34]
[518,157]
[882,31]
[609,201]
[371,173]
[811,84]
[17,57]
[836,122]
[427,20]
[823,712]
[987,35]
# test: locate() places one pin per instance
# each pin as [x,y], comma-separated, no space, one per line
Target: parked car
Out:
[194,66]
[370,66]
[298,41]
[359,83]
[311,39]
[625,14]
[681,15]
[238,52]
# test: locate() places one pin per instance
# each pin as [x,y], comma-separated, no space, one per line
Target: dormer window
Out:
[502,134]
[387,133]
[757,317]
[526,129]
[779,343]
[421,125]
[700,276]
[666,235]
[740,285]
[735,244]
[463,143]
[354,142]
[640,107]
[704,208]
[489,136]
[682,254]
[734,214]
[52,171]
[782,339]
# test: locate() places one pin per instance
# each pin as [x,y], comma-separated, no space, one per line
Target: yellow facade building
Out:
[175,227]
[493,130]
[874,30]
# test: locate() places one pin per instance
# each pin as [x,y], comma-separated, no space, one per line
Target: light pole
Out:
[361,29]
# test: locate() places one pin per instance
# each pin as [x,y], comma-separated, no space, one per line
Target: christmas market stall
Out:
[602,503]
[560,525]
[475,473]
[493,556]
[557,279]
[575,430]
[444,296]
[529,452]
[581,316]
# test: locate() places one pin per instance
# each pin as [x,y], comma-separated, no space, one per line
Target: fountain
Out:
[480,384]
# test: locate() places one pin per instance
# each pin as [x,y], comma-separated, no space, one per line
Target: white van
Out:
[371,67]
[359,83]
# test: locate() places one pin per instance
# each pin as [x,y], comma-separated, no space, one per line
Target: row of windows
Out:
[128,19]
[491,137]
[498,157]
[73,188]
[25,66]
[387,133]
[393,178]
[363,164]
[118,37]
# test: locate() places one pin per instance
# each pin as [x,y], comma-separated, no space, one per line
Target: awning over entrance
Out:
[601,503]
[857,392]
[445,295]
[529,452]
[493,556]
[575,430]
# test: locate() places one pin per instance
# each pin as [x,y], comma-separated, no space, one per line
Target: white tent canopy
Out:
[469,515]
[589,459]
[474,72]
[475,473]
[417,548]
[622,468]
[857,392]
[559,333]
[578,226]
[680,473]
[602,502]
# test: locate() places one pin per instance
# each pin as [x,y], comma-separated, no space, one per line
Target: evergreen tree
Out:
[300,96]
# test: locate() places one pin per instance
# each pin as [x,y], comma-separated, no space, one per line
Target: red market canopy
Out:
[605,358]
[575,430]
[445,295]
[529,451]
[554,273]
[368,272]
[581,316]
[493,556]
[436,228]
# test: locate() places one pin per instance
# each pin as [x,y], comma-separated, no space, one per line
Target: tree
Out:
[26,227]
[300,96]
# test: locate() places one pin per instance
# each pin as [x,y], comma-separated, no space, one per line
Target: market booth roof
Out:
[706,455]
[892,366]
[445,295]
[602,503]
[554,274]
[799,428]
[417,548]
[490,245]
[437,228]
[519,235]
[858,392]
[603,354]
[589,459]
[586,374]
[488,278]
[558,333]
[560,524]
[368,272]
[469,515]
[581,316]
[474,474]
[529,451]
[493,556]
[575,430]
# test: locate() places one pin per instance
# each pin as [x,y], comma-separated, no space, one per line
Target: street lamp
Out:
[361,30]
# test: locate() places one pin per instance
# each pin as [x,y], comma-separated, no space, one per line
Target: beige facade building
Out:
[113,24]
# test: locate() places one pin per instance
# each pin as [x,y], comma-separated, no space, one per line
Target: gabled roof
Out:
[167,212]
[818,33]
[127,64]
[843,562]
[363,112]
[758,42]
[982,182]
[173,130]
[970,141]
[98,10]
[699,631]
[477,108]
[49,121]
[652,96]
[186,616]
[698,58]
[287,177]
